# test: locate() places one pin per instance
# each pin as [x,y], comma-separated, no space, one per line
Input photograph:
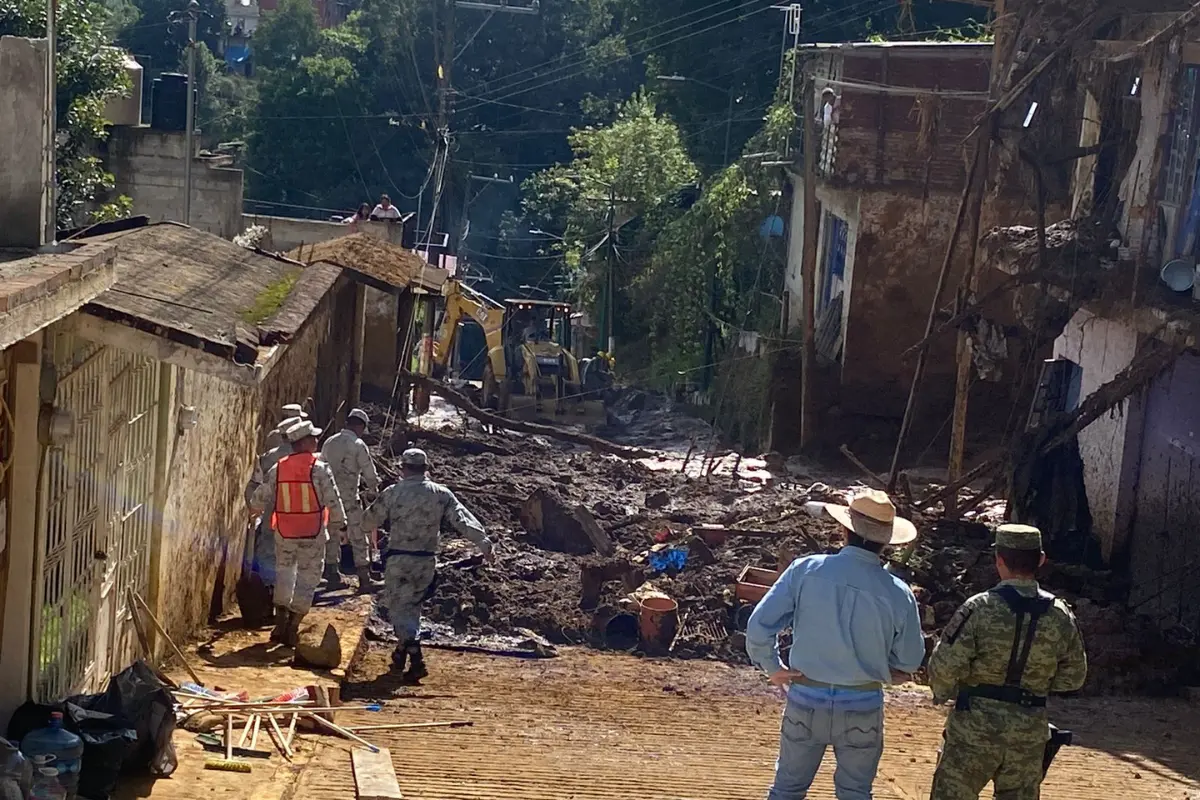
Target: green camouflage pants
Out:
[356,537]
[298,563]
[996,742]
[405,581]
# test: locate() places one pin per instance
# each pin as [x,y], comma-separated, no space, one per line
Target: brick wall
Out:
[902,140]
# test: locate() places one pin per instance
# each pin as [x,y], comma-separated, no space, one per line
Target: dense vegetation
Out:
[629,116]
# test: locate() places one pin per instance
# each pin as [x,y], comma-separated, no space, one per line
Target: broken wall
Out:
[1109,446]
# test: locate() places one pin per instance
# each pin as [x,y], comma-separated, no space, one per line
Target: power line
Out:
[511,89]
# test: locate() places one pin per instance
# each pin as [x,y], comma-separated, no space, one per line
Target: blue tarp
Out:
[236,53]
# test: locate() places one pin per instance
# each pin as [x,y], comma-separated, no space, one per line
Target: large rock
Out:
[319,648]
[552,524]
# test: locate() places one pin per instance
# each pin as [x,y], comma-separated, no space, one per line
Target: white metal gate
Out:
[98,488]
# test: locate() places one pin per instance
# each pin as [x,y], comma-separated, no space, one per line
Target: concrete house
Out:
[140,366]
[889,174]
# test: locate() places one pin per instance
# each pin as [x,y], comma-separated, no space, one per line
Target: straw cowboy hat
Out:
[872,516]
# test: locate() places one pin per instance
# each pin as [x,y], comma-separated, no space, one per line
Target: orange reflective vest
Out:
[298,513]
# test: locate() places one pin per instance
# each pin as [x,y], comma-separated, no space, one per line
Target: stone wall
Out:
[148,166]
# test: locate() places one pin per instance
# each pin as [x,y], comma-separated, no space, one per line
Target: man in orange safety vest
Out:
[305,504]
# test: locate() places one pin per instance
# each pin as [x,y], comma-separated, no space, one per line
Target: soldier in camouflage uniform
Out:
[1000,655]
[300,560]
[350,460]
[414,510]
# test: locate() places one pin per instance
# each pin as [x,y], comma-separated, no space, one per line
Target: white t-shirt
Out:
[391,212]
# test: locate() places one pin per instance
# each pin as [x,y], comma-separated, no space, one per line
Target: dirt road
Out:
[597,726]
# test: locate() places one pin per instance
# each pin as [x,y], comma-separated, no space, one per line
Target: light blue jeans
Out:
[853,727]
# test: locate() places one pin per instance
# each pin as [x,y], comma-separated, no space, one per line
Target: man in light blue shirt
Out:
[855,627]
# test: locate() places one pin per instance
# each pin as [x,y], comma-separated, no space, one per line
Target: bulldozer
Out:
[529,370]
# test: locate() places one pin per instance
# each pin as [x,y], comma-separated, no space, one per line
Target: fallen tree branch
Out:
[405,434]
[460,400]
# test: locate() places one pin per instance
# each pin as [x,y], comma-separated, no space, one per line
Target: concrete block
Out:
[22,155]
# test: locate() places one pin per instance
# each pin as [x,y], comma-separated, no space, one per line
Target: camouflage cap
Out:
[1018,537]
[414,457]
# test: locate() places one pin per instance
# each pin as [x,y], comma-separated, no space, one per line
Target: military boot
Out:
[399,659]
[416,669]
[291,635]
[367,584]
[333,578]
[281,621]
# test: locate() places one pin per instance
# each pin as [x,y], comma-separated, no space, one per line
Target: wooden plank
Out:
[374,775]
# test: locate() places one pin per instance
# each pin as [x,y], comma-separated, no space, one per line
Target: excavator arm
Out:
[463,302]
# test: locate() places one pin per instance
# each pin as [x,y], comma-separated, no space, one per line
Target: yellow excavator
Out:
[530,370]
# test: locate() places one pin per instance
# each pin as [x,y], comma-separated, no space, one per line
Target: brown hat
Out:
[872,516]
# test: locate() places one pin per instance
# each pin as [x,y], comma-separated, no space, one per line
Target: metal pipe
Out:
[193,10]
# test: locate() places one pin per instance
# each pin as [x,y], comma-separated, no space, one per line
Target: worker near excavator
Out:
[348,457]
[414,509]
[855,627]
[264,538]
[305,504]
[1001,654]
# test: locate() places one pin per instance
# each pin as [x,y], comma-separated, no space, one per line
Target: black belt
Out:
[1005,694]
[418,553]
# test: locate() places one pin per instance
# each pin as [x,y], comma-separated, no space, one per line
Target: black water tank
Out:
[168,98]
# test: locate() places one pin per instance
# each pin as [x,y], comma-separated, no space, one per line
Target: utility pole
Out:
[1002,42]
[612,269]
[50,123]
[808,263]
[193,12]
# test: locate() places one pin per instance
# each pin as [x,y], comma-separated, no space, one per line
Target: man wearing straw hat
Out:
[1001,654]
[855,627]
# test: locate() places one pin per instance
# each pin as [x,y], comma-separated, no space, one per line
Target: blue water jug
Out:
[64,747]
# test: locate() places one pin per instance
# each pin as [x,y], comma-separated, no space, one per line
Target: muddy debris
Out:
[547,577]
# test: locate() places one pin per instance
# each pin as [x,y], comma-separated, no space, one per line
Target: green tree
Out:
[306,103]
[624,178]
[89,72]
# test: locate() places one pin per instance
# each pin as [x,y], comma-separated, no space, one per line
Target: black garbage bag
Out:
[137,695]
[30,717]
[108,740]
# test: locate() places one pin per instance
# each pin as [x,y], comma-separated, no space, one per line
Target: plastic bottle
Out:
[14,772]
[46,785]
[64,747]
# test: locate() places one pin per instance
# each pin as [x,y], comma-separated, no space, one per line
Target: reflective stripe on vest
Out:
[298,511]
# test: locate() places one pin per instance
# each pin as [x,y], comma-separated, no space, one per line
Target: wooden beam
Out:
[374,775]
[808,263]
[1177,26]
[162,349]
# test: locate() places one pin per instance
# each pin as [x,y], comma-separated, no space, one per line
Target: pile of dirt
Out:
[547,579]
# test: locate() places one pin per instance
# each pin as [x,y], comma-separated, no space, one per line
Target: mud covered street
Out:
[547,579]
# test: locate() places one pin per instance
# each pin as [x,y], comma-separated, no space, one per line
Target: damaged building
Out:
[1117,281]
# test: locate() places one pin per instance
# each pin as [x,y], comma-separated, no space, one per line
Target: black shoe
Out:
[281,622]
[416,670]
[333,578]
[399,659]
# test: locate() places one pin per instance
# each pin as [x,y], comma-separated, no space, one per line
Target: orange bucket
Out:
[658,620]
